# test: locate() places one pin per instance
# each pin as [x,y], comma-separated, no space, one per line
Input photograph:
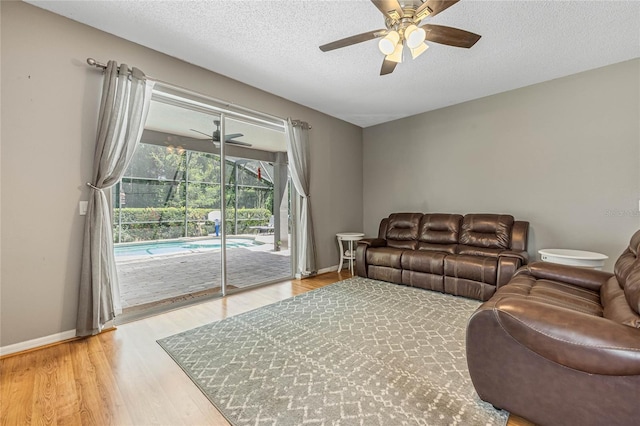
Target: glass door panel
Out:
[256,206]
[165,211]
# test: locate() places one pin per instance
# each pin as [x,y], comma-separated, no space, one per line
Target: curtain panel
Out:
[299,159]
[126,96]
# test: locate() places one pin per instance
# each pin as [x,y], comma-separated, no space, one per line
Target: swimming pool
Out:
[177,247]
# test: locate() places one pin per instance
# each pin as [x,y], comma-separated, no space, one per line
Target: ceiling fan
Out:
[402,22]
[229,139]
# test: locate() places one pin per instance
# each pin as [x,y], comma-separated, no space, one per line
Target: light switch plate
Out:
[82,207]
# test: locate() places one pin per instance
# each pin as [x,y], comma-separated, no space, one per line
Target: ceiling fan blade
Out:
[390,8]
[239,143]
[435,6]
[233,136]
[202,133]
[388,67]
[450,36]
[359,38]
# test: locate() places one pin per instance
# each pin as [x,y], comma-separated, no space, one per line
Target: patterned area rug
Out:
[358,352]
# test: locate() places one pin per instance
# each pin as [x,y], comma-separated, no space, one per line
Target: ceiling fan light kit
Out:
[388,43]
[419,50]
[402,22]
[396,56]
[415,36]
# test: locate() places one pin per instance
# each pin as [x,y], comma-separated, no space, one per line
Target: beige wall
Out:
[563,155]
[50,102]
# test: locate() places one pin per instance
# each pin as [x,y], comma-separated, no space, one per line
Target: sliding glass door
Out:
[195,217]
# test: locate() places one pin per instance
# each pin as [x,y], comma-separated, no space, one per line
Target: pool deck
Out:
[156,279]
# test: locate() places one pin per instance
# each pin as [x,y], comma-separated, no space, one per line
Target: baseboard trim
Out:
[37,343]
[333,268]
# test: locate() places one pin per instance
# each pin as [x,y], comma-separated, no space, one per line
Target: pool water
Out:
[177,247]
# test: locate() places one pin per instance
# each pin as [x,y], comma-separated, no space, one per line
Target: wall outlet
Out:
[82,207]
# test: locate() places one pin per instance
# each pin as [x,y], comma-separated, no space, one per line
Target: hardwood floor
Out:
[124,377]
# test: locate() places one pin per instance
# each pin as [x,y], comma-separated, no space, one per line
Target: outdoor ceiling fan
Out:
[229,139]
[402,19]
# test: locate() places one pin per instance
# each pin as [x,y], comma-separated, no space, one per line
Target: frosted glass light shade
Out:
[387,45]
[396,56]
[415,52]
[414,36]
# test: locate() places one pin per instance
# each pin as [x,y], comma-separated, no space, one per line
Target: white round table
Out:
[584,259]
[348,254]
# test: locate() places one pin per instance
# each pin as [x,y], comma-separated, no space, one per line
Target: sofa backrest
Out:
[485,234]
[625,262]
[627,273]
[402,230]
[474,234]
[439,232]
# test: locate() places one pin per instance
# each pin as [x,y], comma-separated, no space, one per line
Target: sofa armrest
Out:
[580,277]
[518,254]
[361,253]
[508,263]
[519,235]
[373,242]
[576,340]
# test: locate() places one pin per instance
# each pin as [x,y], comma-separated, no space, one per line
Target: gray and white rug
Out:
[358,352]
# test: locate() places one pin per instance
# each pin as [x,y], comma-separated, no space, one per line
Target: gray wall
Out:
[563,155]
[50,101]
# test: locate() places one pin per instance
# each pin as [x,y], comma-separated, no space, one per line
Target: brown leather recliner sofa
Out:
[467,256]
[560,345]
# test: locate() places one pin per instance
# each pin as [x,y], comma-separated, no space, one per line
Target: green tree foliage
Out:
[163,184]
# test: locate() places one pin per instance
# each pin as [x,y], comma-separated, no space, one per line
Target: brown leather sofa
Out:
[467,256]
[560,345]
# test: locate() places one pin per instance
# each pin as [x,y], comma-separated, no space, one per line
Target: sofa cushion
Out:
[468,288]
[439,232]
[478,251]
[384,273]
[402,230]
[554,293]
[384,256]
[487,230]
[423,261]
[477,268]
[423,280]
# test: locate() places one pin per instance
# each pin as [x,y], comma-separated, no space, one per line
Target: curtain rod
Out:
[92,62]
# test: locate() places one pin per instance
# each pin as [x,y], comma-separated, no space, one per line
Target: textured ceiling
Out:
[273,45]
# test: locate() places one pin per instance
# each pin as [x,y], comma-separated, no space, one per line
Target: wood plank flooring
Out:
[124,377]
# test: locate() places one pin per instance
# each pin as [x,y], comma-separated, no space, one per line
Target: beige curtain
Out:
[123,110]
[299,159]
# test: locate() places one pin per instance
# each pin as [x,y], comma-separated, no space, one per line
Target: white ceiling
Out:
[273,45]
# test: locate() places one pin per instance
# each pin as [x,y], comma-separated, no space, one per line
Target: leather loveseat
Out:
[467,256]
[560,345]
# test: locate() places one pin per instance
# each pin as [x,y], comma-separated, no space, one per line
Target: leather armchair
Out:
[560,345]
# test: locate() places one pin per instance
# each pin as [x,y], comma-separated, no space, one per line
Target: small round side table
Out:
[349,254]
[584,259]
